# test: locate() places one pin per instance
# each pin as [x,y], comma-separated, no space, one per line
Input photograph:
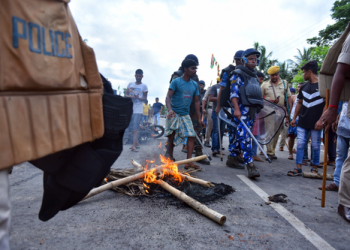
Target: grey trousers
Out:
[209,125]
[344,185]
[4,210]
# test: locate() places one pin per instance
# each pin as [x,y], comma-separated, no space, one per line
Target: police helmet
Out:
[238,54]
[250,52]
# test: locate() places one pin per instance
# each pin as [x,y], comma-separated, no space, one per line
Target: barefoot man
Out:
[179,97]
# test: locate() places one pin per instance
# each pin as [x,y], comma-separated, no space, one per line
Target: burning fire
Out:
[169,169]
[146,187]
[160,145]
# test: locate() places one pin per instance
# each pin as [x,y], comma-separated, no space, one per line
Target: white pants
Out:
[156,118]
[4,210]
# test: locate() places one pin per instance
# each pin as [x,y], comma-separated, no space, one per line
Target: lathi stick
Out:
[215,216]
[325,137]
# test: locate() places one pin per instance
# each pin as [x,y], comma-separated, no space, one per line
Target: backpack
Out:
[329,67]
[225,93]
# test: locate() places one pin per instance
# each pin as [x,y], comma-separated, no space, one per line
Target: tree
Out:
[265,61]
[316,53]
[319,54]
[341,15]
[285,72]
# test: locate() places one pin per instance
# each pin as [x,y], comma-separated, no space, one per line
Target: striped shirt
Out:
[312,107]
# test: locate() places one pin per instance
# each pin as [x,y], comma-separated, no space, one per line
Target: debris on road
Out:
[279,198]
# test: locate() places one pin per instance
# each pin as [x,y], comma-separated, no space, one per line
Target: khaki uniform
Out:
[268,92]
[344,187]
[209,119]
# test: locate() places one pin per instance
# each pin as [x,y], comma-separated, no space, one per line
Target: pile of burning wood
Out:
[158,175]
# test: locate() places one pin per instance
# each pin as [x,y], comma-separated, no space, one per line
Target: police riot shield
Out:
[267,123]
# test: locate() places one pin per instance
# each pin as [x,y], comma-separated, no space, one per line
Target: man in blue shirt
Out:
[157,109]
[178,101]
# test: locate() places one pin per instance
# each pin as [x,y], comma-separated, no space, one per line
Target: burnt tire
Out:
[160,131]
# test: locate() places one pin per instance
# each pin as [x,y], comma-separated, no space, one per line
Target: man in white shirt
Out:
[137,91]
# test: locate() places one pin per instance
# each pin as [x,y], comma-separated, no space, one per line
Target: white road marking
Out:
[310,235]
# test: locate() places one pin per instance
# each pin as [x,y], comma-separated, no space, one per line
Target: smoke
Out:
[149,147]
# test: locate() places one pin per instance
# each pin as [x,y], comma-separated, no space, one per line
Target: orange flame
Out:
[106,179]
[168,169]
[160,145]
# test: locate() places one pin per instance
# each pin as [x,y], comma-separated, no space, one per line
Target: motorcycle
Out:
[147,131]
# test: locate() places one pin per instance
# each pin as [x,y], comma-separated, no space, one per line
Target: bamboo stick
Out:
[136,164]
[195,180]
[117,183]
[134,177]
[198,158]
[215,216]
[317,176]
[323,199]
[188,178]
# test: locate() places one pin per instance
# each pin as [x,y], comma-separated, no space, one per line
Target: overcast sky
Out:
[156,35]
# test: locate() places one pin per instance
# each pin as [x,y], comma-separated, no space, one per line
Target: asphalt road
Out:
[111,221]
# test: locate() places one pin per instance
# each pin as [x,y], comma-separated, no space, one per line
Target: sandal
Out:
[290,157]
[192,165]
[215,152]
[331,187]
[315,170]
[321,165]
[295,172]
[134,150]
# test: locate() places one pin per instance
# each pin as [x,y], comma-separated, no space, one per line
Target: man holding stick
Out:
[329,117]
[213,97]
[207,110]
[178,101]
[244,114]
[276,90]
[234,162]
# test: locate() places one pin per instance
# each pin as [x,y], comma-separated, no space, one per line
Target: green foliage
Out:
[341,15]
[319,54]
[165,110]
[265,61]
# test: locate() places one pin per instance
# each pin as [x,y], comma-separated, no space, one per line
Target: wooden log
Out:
[317,176]
[215,216]
[134,177]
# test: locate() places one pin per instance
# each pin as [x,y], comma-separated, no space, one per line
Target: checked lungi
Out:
[181,125]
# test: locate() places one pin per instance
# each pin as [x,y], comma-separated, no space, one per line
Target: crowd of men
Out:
[306,117]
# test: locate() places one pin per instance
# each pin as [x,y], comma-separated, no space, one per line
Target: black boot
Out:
[252,171]
[199,152]
[233,162]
